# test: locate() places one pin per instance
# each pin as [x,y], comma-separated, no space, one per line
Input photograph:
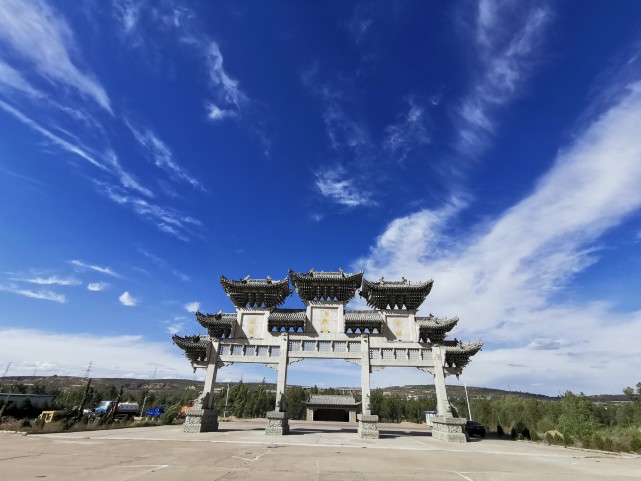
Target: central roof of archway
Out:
[326,286]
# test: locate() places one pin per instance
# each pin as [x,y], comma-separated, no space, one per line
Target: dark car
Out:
[474,428]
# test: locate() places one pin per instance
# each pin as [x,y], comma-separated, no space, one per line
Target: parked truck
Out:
[124,411]
[156,412]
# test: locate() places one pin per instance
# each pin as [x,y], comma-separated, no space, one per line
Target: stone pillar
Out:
[203,417]
[277,420]
[442,403]
[449,429]
[367,423]
[445,427]
[283,362]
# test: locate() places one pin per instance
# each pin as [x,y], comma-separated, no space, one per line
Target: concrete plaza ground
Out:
[313,451]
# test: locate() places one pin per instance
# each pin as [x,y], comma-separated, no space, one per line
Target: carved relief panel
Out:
[398,328]
[325,319]
[252,325]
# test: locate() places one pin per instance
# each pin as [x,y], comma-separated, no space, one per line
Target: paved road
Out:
[319,451]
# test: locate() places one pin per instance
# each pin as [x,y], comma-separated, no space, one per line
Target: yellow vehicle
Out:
[186,408]
[49,416]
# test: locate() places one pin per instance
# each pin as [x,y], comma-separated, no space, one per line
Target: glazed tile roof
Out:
[435,328]
[287,318]
[458,354]
[217,325]
[326,286]
[288,315]
[256,292]
[363,319]
[332,400]
[195,347]
[395,294]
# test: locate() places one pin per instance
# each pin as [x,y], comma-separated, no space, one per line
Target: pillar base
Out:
[448,429]
[277,423]
[367,426]
[201,421]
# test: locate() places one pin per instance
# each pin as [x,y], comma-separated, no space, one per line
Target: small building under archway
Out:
[324,407]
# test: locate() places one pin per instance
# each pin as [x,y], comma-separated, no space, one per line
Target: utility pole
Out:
[114,407]
[85,396]
[469,410]
[226,401]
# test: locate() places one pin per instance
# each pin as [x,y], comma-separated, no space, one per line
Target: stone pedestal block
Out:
[449,429]
[201,421]
[277,423]
[367,426]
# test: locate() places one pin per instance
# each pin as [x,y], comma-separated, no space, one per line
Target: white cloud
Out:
[127,299]
[175,328]
[503,276]
[215,113]
[70,353]
[44,295]
[97,286]
[162,156]
[84,266]
[545,344]
[41,36]
[192,306]
[128,12]
[342,190]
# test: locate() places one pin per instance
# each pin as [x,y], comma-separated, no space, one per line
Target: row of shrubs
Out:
[85,423]
[521,432]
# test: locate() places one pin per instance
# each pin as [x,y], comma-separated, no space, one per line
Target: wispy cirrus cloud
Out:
[162,156]
[165,265]
[507,52]
[21,177]
[165,219]
[342,189]
[504,277]
[41,294]
[39,35]
[127,299]
[359,156]
[12,80]
[55,139]
[408,133]
[227,87]
[106,162]
[85,266]
[49,281]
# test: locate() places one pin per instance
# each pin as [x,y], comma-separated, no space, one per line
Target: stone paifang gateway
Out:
[390,334]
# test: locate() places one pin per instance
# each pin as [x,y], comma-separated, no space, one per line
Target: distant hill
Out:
[64,382]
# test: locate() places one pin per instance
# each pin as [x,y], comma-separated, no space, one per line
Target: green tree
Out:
[576,416]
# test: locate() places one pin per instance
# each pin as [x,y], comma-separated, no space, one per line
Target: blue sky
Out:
[148,147]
